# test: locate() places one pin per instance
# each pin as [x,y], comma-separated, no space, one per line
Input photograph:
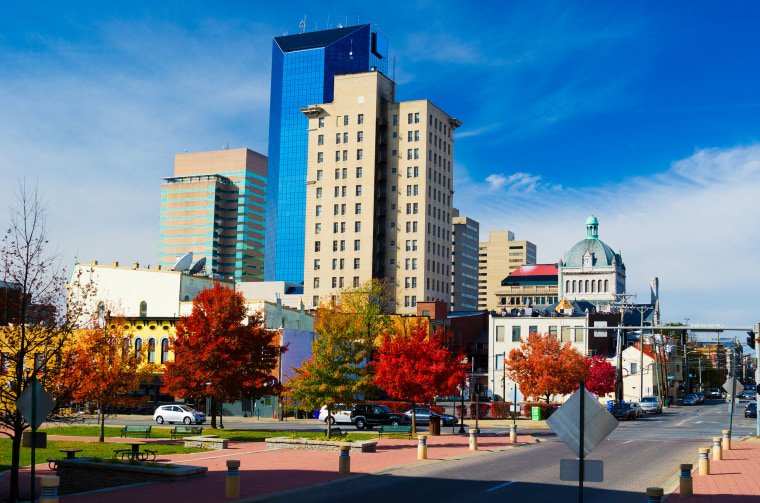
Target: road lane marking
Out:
[500,486]
[628,442]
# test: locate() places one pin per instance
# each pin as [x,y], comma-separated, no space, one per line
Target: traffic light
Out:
[751,339]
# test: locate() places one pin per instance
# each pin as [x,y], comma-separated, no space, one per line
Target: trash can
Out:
[435,426]
[535,413]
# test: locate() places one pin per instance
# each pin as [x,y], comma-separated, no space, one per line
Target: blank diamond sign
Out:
[598,423]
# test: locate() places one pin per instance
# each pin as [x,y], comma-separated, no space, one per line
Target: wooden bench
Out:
[183,431]
[387,429]
[142,431]
[336,432]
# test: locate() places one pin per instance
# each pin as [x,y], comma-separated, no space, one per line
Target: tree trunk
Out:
[102,424]
[414,418]
[213,414]
[15,458]
[329,424]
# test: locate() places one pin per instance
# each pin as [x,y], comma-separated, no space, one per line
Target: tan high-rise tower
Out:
[379,193]
[500,256]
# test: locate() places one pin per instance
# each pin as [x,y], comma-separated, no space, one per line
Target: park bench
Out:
[387,429]
[183,431]
[336,433]
[143,431]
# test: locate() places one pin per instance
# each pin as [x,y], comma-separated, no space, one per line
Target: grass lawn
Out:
[231,434]
[89,450]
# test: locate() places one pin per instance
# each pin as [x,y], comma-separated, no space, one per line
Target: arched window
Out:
[606,286]
[573,286]
[164,350]
[599,285]
[580,286]
[593,286]
[585,289]
[138,345]
[567,286]
[143,309]
[151,350]
[125,348]
[101,309]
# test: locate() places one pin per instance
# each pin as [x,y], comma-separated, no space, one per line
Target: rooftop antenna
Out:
[302,24]
[227,146]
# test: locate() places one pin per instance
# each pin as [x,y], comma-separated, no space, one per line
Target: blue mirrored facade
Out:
[303,68]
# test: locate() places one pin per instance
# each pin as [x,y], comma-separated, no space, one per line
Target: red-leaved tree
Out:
[543,367]
[602,377]
[416,366]
[217,356]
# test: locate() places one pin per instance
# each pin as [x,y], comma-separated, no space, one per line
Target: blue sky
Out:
[644,114]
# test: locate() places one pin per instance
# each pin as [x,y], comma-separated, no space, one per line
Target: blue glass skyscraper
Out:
[303,68]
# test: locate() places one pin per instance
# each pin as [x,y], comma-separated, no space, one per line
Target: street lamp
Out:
[461,412]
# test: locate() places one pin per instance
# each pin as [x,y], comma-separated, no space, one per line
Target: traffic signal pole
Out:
[757,376]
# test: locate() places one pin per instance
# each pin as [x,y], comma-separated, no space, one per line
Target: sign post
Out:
[35,405]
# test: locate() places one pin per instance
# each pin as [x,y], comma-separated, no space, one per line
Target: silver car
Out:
[651,404]
[178,414]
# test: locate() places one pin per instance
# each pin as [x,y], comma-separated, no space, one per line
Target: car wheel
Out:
[360,424]
[187,420]
[159,420]
[332,420]
[395,422]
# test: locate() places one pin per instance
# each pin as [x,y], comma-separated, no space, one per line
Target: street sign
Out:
[593,470]
[728,384]
[598,423]
[45,404]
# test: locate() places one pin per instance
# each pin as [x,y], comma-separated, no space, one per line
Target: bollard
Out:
[687,483]
[473,439]
[344,461]
[704,462]
[49,493]
[422,447]
[232,490]
[513,434]
[654,494]
[726,440]
[717,451]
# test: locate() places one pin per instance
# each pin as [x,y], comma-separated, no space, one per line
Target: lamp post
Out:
[464,383]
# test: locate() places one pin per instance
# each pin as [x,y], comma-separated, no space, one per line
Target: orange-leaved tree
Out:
[417,366]
[543,367]
[602,377]
[216,355]
[103,367]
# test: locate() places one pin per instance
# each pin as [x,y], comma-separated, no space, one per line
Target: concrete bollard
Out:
[654,494]
[513,434]
[422,447]
[717,451]
[232,489]
[726,440]
[473,439]
[49,493]
[344,461]
[704,461]
[687,483]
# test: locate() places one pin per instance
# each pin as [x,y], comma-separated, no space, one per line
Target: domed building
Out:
[591,271]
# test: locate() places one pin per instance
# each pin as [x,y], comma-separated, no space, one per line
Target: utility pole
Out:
[621,341]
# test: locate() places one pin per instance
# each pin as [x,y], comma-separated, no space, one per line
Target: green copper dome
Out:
[601,254]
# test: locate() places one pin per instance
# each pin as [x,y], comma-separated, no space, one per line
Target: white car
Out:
[178,414]
[651,404]
[341,414]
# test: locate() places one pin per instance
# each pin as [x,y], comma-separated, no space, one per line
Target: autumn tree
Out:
[602,378]
[38,318]
[543,367]
[103,367]
[217,355]
[417,366]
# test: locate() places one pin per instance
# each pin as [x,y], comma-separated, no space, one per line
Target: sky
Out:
[643,114]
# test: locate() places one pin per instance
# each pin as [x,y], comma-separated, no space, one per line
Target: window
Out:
[414,264]
[358,190]
[321,122]
[553,331]
[359,136]
[356,263]
[138,346]
[416,190]
[337,191]
[358,172]
[337,156]
[410,118]
[407,264]
[152,351]
[337,174]
[342,263]
[395,120]
[335,245]
[357,226]
[344,173]
[336,209]
[345,155]
[319,192]
[577,335]
[416,153]
[416,136]
[414,226]
[409,136]
[320,157]
[321,139]
[416,171]
[164,350]
[408,245]
[340,282]
[319,175]
[335,227]
[316,282]
[357,244]
[144,310]
[359,154]
[342,227]
[414,282]
[317,245]
[406,298]
[409,153]
[360,119]
[416,208]
[634,368]
[342,245]
[358,209]
[408,208]
[345,120]
[408,190]
[334,282]
[416,118]
[343,191]
[345,137]
[515,334]
[533,329]
[316,264]
[337,137]
[414,300]
[499,334]
[565,334]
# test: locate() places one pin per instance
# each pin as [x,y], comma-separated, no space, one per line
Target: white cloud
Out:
[694,226]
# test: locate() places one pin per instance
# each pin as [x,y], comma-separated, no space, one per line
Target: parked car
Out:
[750,395]
[340,414]
[423,415]
[625,410]
[691,400]
[700,397]
[178,414]
[370,415]
[651,404]
[750,410]
[715,393]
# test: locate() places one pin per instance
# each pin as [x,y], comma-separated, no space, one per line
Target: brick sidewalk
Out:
[265,472]
[734,479]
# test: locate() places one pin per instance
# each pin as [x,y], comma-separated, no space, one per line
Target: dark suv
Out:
[369,415]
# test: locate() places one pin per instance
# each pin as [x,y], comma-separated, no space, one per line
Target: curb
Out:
[382,471]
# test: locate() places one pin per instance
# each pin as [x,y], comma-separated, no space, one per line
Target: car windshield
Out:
[648,399]
[385,409]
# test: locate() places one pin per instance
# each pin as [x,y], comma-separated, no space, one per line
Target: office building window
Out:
[336,209]
[515,334]
[319,210]
[356,263]
[337,155]
[334,282]
[340,282]
[342,227]
[409,136]
[319,175]
[499,334]
[359,154]
[358,209]
[358,190]
[342,209]
[317,228]
[342,245]
[342,263]
[360,119]
[316,264]
[319,192]
[357,226]
[334,264]
[356,281]
[320,157]
[358,172]
[345,155]
[345,137]
[344,173]
[416,153]
[395,120]
[321,139]
[321,122]
[416,118]
[359,136]
[345,120]
[410,118]
[335,245]
[316,282]
[357,244]
[337,137]
[317,246]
